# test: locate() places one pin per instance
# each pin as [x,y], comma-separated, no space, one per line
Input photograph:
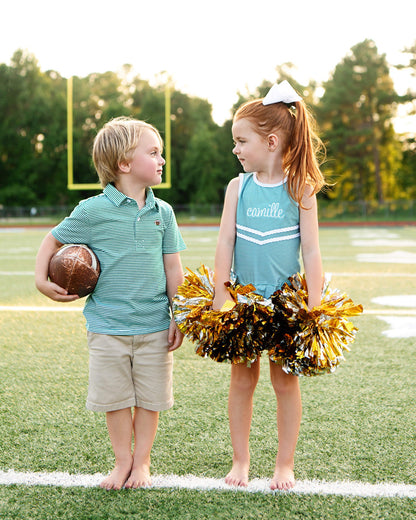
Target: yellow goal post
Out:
[70,143]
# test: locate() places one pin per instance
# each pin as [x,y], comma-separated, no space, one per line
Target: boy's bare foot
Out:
[139,477]
[117,478]
[238,476]
[283,478]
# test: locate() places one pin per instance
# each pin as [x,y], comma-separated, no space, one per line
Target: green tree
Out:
[356,116]
[188,115]
[407,172]
[33,135]
[97,98]
[32,132]
[286,72]
[207,166]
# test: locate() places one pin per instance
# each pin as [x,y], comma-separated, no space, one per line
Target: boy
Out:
[131,335]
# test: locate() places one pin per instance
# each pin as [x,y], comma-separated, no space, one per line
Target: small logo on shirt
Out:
[157,222]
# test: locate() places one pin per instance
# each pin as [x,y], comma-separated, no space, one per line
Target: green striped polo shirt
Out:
[130,296]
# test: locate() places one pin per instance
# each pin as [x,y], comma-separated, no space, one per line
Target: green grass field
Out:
[358,424]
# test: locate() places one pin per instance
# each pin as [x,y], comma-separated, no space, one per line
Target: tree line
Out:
[366,158]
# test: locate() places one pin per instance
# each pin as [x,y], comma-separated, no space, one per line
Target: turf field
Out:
[356,455]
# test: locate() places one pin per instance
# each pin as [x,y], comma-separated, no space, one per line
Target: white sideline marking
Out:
[395,257]
[371,233]
[25,308]
[17,273]
[321,487]
[198,258]
[28,308]
[391,312]
[383,242]
[378,275]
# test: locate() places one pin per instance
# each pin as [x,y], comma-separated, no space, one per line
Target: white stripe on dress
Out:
[267,233]
[269,240]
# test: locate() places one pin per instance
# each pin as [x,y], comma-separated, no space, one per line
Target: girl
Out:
[268,215]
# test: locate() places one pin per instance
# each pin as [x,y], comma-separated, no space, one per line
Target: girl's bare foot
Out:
[238,476]
[117,478]
[283,478]
[139,477]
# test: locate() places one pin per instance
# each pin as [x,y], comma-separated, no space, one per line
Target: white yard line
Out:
[17,273]
[391,312]
[33,308]
[378,275]
[198,258]
[321,487]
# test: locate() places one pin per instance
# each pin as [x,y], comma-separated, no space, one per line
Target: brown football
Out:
[75,267]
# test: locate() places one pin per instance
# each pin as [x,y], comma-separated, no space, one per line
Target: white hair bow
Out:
[281,93]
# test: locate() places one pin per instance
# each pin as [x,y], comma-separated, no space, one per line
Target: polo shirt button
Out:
[138,218]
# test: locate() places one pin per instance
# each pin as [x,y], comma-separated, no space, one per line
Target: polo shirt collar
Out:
[117,197]
[150,198]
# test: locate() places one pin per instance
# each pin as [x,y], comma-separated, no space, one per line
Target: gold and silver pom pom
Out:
[310,342]
[304,342]
[236,333]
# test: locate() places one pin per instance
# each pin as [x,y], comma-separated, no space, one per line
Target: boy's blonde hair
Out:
[301,146]
[115,143]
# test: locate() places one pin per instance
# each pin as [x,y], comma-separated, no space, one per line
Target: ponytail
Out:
[301,161]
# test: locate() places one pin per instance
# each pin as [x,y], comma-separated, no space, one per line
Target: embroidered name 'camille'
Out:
[272,211]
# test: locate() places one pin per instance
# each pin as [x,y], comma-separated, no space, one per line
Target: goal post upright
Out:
[70,142]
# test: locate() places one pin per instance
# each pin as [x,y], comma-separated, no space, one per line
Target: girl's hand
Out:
[220,297]
[54,292]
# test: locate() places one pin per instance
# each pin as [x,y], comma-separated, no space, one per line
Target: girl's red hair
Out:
[300,143]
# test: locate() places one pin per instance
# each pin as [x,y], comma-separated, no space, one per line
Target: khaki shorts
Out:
[130,371]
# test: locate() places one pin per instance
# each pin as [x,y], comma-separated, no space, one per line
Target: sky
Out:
[210,49]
